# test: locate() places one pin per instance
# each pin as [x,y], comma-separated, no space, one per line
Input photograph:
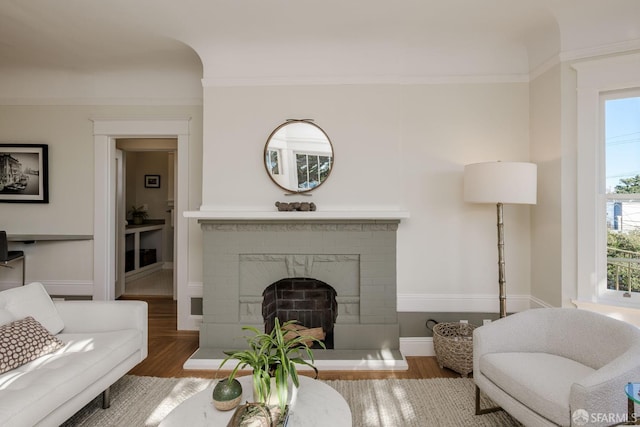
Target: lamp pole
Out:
[502,282]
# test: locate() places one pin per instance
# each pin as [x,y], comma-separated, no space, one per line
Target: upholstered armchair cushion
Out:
[543,364]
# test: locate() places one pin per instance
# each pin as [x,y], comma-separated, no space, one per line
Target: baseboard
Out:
[417,346]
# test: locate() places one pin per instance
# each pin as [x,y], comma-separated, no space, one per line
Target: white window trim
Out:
[595,78]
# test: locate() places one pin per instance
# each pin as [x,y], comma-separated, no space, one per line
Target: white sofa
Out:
[102,341]
[542,365]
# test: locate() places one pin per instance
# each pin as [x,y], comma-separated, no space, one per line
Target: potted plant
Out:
[273,358]
[138,214]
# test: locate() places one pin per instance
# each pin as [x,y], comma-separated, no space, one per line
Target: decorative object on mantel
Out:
[296,206]
[273,359]
[298,156]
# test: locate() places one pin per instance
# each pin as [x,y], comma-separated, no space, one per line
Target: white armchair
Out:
[542,365]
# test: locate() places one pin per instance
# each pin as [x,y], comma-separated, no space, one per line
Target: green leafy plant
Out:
[138,214]
[274,355]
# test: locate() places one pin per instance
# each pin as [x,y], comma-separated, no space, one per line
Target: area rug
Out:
[145,401]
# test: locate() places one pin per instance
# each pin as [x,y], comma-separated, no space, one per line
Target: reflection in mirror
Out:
[298,156]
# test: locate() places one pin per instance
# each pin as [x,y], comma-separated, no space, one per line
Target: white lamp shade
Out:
[500,182]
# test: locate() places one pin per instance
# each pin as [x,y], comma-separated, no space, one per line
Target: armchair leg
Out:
[106,398]
[482,411]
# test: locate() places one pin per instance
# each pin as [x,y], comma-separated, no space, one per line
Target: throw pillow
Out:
[32,300]
[24,340]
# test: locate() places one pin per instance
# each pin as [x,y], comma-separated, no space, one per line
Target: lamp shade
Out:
[500,182]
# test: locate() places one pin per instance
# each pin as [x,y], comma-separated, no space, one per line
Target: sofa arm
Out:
[603,392]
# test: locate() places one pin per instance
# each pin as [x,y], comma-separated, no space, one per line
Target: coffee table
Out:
[316,404]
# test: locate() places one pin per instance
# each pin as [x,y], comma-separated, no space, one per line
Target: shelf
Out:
[143,249]
[300,216]
[32,238]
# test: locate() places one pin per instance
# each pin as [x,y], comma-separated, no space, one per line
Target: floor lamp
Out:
[501,182]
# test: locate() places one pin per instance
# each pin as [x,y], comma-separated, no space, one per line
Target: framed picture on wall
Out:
[24,173]
[152,181]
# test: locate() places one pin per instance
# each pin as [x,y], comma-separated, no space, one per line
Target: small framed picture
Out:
[152,181]
[24,173]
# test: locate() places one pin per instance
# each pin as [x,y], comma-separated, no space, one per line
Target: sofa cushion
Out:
[22,341]
[540,381]
[32,300]
[6,316]
[28,393]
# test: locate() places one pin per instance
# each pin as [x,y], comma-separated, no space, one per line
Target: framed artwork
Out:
[152,181]
[24,173]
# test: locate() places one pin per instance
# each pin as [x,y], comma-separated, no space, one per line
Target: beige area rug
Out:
[145,401]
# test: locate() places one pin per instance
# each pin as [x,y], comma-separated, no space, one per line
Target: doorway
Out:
[105,133]
[145,204]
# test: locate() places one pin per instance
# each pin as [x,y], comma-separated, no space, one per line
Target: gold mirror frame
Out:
[309,151]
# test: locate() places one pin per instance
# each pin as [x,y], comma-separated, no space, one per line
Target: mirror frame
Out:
[266,149]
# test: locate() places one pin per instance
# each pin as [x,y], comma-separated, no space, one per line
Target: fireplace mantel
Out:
[298,216]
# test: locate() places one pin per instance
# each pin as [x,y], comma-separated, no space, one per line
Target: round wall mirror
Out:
[298,156]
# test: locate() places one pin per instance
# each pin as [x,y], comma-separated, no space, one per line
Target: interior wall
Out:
[66,267]
[396,147]
[140,164]
[546,151]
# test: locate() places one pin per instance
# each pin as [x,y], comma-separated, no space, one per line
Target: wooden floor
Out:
[170,348]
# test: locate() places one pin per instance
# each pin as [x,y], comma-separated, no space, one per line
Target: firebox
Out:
[312,303]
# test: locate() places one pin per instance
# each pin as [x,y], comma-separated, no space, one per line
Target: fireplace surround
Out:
[355,257]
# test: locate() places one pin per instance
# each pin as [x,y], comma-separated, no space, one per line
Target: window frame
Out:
[596,80]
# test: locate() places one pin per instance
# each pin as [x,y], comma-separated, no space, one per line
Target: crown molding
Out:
[103,101]
[607,49]
[361,80]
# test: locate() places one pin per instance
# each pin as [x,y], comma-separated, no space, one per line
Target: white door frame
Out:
[105,132]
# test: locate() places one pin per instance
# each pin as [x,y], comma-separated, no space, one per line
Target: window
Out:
[312,169]
[273,162]
[622,190]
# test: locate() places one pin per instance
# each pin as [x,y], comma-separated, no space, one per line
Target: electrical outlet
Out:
[464,321]
[486,321]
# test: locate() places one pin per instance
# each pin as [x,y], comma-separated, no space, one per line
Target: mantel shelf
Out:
[298,216]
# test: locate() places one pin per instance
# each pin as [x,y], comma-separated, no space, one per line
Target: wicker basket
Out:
[453,343]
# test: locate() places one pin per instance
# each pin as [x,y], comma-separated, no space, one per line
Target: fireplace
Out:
[356,259]
[310,302]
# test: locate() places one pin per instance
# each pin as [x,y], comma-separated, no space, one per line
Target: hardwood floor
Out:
[170,348]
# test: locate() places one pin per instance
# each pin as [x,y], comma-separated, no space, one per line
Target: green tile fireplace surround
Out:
[357,257]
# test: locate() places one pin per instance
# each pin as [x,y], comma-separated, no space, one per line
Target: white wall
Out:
[396,147]
[66,268]
[546,151]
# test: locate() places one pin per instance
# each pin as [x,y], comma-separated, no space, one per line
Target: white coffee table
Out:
[316,404]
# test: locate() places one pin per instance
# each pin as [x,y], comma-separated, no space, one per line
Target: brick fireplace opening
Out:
[309,301]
